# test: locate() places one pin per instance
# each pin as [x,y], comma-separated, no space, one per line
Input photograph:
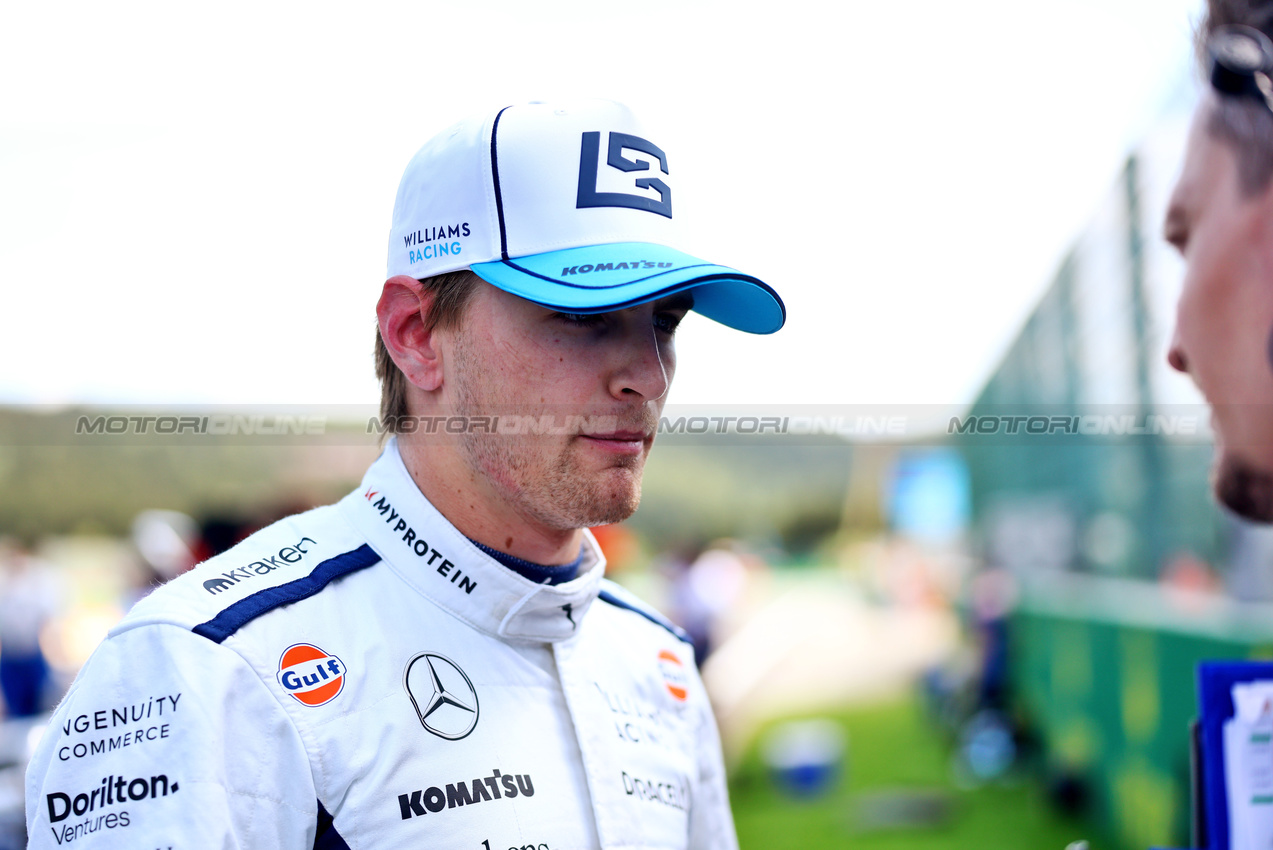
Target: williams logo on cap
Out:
[520,195]
[590,197]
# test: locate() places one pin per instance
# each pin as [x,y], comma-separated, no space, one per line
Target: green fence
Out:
[1103,670]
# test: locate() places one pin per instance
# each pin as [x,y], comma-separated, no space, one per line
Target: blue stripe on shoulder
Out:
[248,609]
[676,630]
[326,837]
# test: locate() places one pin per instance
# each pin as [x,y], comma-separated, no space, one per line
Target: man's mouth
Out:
[619,436]
[619,442]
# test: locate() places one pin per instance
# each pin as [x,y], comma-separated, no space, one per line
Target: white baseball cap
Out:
[568,205]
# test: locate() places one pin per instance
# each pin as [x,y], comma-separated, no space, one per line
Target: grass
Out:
[893,748]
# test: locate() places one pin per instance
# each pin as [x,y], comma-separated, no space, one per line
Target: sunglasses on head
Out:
[1241,63]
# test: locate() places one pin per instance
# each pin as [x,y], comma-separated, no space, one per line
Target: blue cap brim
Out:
[601,278]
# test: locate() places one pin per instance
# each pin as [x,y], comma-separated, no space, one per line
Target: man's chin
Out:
[601,510]
[1244,489]
[586,500]
[616,500]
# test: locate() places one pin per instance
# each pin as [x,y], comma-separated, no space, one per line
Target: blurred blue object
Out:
[18,737]
[930,496]
[987,746]
[805,757]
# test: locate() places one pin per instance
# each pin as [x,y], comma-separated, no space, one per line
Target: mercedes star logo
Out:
[444,698]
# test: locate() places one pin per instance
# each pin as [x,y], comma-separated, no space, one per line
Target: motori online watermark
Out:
[1088,425]
[217,425]
[551,425]
[885,424]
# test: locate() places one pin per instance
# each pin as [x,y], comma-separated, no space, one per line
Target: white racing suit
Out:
[363,676]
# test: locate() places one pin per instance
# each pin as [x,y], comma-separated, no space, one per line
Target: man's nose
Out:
[1176,354]
[643,367]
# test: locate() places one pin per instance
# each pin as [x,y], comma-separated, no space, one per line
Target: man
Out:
[1221,220]
[435,660]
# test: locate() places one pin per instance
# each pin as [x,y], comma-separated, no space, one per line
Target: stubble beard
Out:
[551,488]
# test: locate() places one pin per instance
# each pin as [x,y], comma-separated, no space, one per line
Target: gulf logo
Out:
[673,675]
[310,675]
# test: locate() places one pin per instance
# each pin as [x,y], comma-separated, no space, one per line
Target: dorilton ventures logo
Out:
[287,555]
[310,675]
[112,791]
[444,697]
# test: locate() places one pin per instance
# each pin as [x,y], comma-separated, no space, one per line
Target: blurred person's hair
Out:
[1244,123]
[451,293]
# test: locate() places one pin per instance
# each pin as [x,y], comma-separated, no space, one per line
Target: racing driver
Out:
[436,660]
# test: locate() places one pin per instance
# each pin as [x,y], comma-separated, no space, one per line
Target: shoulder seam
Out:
[239,614]
[675,630]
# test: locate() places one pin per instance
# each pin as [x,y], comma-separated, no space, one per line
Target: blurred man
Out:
[1221,220]
[435,661]
[29,598]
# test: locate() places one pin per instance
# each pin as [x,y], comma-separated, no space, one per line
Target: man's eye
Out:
[582,320]
[668,322]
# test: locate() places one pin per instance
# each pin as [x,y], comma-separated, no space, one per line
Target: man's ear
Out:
[403,304]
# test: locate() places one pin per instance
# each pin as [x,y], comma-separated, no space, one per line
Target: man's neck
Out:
[470,504]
